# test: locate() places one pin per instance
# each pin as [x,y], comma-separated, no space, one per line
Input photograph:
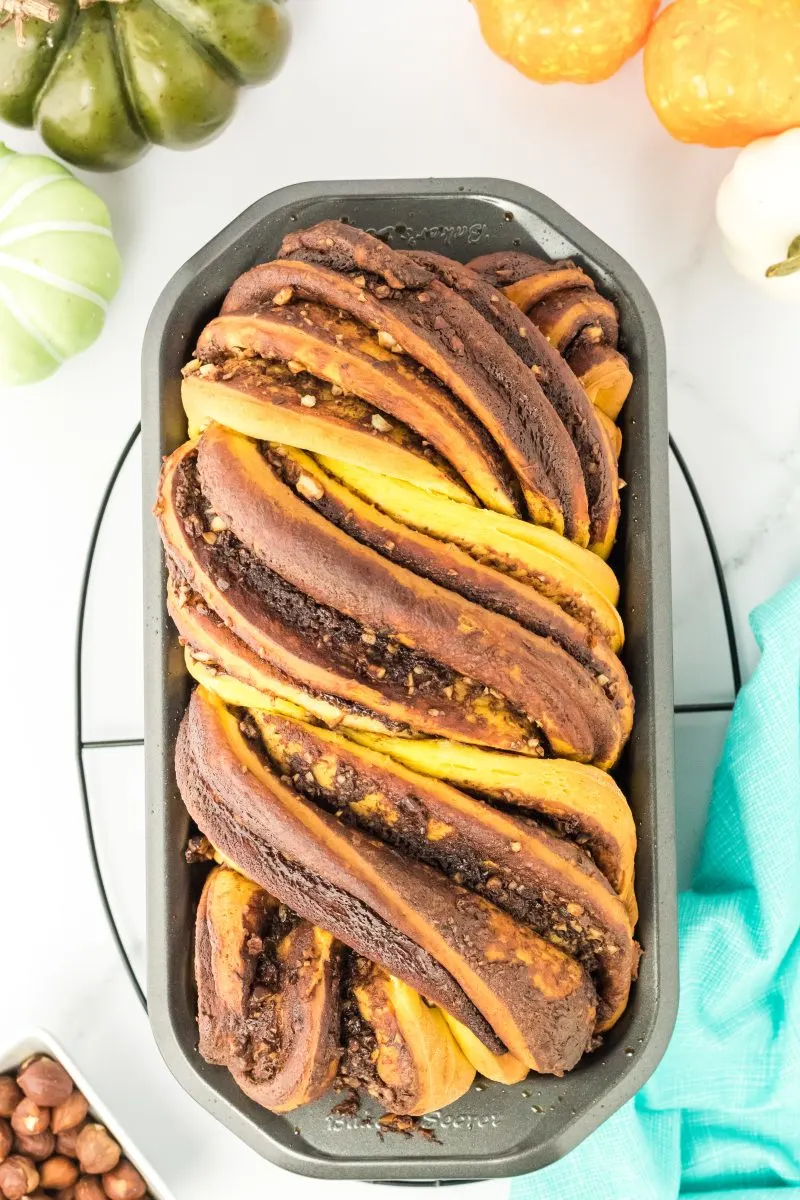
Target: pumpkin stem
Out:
[19,11]
[788,265]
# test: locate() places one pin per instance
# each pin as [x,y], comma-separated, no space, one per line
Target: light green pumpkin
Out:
[59,266]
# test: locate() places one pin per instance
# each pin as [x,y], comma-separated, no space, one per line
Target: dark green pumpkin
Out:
[100,83]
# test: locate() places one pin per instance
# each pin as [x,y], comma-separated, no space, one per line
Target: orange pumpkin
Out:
[575,41]
[724,72]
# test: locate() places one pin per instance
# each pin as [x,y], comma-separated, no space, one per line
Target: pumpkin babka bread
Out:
[386,539]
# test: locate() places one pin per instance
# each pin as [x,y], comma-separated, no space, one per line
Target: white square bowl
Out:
[42,1042]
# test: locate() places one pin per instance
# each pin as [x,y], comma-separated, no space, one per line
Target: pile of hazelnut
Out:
[48,1145]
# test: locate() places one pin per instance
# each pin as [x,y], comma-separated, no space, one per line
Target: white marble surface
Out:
[370,90]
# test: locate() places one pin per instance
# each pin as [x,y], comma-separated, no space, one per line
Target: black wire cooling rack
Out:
[83,746]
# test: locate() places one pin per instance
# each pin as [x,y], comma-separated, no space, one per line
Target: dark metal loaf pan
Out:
[494,1130]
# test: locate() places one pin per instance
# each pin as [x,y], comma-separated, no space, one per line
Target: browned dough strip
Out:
[312,644]
[267,994]
[563,303]
[315,339]
[436,327]
[451,945]
[540,879]
[453,568]
[536,676]
[557,381]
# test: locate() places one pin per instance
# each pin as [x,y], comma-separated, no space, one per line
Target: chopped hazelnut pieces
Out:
[309,488]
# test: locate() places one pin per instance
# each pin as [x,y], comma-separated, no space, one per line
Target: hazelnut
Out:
[89,1187]
[70,1113]
[308,487]
[65,1142]
[37,1146]
[28,1118]
[10,1095]
[97,1151]
[58,1172]
[67,1193]
[45,1082]
[6,1139]
[124,1182]
[18,1177]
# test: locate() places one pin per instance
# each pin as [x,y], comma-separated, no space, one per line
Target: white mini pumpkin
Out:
[758,212]
[59,266]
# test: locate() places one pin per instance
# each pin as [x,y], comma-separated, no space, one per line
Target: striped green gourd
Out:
[59,266]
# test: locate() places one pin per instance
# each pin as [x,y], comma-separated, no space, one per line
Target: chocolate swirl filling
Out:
[459,950]
[268,988]
[536,676]
[543,881]
[310,642]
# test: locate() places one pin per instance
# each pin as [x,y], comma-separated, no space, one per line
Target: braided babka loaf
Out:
[386,539]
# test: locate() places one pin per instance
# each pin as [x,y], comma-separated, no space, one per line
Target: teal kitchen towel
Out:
[720,1118]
